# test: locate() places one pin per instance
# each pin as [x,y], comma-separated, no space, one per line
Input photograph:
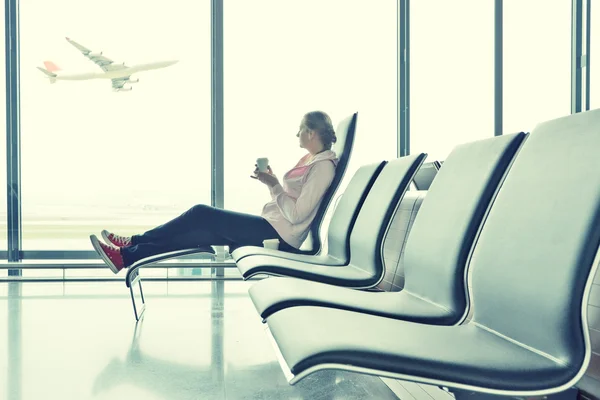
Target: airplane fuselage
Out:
[119,73]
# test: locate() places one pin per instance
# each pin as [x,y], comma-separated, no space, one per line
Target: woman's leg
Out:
[181,225]
[200,226]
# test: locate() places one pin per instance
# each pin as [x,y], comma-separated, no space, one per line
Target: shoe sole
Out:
[102,254]
[104,235]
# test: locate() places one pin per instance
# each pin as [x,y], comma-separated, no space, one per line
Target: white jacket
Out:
[294,204]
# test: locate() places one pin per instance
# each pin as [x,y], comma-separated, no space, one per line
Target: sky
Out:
[94,158]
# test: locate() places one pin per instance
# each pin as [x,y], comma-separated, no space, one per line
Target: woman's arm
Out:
[317,182]
[267,178]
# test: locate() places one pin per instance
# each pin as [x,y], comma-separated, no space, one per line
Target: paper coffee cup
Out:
[271,244]
[262,164]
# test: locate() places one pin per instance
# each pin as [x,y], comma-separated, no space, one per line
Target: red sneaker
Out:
[111,255]
[116,240]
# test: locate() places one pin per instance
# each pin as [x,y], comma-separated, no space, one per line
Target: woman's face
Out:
[304,135]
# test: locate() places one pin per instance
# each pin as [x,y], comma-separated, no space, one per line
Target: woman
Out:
[286,217]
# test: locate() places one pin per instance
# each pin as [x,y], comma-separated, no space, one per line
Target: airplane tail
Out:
[50,66]
[49,74]
[50,70]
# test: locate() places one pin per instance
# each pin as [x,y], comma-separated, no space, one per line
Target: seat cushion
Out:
[252,251]
[347,275]
[275,294]
[466,354]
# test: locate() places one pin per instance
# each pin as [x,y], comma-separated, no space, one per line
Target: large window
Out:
[537,62]
[285,58]
[451,74]
[93,158]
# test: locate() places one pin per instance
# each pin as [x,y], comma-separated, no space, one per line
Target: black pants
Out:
[202,225]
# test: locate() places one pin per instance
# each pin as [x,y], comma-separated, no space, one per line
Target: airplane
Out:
[120,74]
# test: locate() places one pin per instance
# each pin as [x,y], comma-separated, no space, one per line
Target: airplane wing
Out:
[119,83]
[103,62]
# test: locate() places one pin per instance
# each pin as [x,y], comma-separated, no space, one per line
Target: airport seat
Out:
[345,133]
[364,268]
[437,248]
[340,225]
[531,275]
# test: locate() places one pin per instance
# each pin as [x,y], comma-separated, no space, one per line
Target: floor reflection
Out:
[177,381]
[205,347]
[13,386]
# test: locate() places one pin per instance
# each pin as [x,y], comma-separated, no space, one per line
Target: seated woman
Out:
[286,217]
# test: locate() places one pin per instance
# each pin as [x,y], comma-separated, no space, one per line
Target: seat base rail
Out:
[569,394]
[137,313]
[133,273]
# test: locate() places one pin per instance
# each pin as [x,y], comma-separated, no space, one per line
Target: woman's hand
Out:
[268,178]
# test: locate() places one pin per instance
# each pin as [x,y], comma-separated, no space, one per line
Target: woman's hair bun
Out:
[320,122]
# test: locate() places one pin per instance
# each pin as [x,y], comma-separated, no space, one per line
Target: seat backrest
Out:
[425,175]
[395,240]
[535,259]
[375,216]
[348,207]
[442,236]
[345,133]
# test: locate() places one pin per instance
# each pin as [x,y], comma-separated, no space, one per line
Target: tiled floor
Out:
[198,340]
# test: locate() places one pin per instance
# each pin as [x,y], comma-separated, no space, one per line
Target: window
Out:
[93,158]
[285,58]
[451,75]
[537,62]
